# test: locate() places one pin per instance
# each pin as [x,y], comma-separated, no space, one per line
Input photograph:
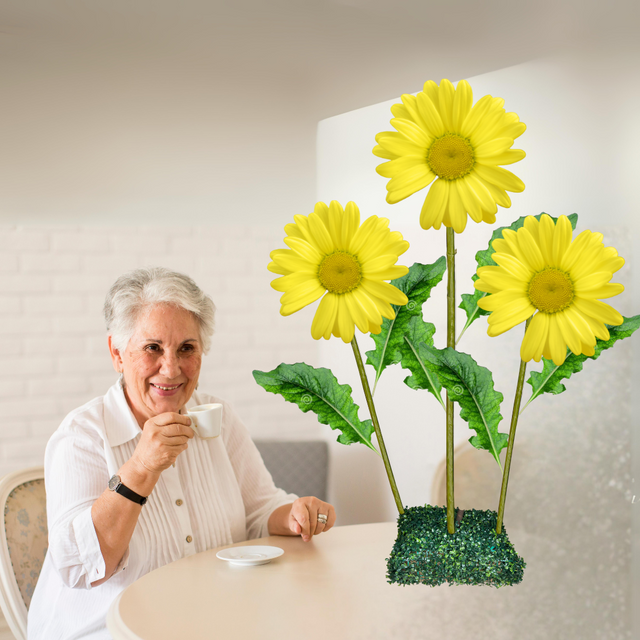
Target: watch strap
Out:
[123,490]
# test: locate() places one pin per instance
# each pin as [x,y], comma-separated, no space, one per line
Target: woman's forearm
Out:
[115,517]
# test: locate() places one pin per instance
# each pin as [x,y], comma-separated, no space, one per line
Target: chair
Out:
[23,543]
[298,467]
[477,479]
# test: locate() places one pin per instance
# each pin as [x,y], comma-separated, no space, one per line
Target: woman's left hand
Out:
[303,517]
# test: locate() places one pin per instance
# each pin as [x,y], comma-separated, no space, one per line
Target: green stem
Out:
[512,436]
[376,424]
[451,342]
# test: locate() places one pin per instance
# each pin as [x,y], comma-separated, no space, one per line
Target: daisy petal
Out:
[546,229]
[292,280]
[517,268]
[462,101]
[399,165]
[506,157]
[569,335]
[408,182]
[530,250]
[499,196]
[368,304]
[535,338]
[498,300]
[605,291]
[600,311]
[599,329]
[493,147]
[561,238]
[300,297]
[456,209]
[512,313]
[575,250]
[475,116]
[482,193]
[499,278]
[385,291]
[435,204]
[469,200]
[303,249]
[591,281]
[580,325]
[293,263]
[400,146]
[321,234]
[500,177]
[350,221]
[445,103]
[412,132]
[356,312]
[430,115]
[344,321]
[556,343]
[325,317]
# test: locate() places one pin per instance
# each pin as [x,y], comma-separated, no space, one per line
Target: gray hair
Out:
[138,290]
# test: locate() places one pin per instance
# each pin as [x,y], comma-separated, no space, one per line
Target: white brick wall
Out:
[53,350]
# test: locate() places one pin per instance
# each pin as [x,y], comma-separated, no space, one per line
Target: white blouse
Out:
[218,493]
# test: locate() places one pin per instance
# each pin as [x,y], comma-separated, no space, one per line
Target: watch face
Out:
[114,481]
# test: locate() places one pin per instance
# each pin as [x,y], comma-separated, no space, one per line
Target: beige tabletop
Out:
[332,587]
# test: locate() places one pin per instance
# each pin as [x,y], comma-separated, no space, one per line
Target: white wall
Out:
[53,342]
[581,143]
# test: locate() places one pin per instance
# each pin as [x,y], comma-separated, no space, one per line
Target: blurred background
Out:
[188,134]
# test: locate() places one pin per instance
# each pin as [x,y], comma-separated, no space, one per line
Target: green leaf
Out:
[469,302]
[318,390]
[417,286]
[549,379]
[419,332]
[471,386]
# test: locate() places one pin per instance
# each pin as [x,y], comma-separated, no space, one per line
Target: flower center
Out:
[551,290]
[451,156]
[340,272]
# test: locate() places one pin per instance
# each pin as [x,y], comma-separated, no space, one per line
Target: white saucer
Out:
[250,556]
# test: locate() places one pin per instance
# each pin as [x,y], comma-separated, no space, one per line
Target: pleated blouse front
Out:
[218,493]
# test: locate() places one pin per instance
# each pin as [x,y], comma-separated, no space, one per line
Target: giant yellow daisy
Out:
[542,271]
[441,137]
[330,254]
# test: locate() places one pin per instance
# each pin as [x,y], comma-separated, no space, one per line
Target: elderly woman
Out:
[129,488]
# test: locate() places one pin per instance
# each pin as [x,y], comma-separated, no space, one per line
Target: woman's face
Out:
[161,363]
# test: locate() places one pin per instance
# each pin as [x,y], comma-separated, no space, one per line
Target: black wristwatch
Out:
[115,484]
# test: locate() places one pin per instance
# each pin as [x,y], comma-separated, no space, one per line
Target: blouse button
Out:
[179,502]
[189,538]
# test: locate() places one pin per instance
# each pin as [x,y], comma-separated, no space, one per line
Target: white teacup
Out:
[206,419]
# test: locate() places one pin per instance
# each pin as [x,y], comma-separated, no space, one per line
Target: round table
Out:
[332,587]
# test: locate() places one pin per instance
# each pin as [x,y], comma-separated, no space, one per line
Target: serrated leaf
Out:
[417,286]
[419,332]
[471,386]
[469,302]
[318,390]
[549,379]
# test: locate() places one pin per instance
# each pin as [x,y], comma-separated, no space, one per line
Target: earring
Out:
[121,379]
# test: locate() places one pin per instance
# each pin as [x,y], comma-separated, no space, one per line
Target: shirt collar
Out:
[119,421]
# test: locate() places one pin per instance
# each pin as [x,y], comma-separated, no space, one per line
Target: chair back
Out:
[23,543]
[299,467]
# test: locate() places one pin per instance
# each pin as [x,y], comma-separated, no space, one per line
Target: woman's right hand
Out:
[164,438]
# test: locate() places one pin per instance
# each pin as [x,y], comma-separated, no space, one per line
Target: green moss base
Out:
[425,553]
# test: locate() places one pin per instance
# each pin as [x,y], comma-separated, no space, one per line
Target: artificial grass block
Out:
[425,553]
